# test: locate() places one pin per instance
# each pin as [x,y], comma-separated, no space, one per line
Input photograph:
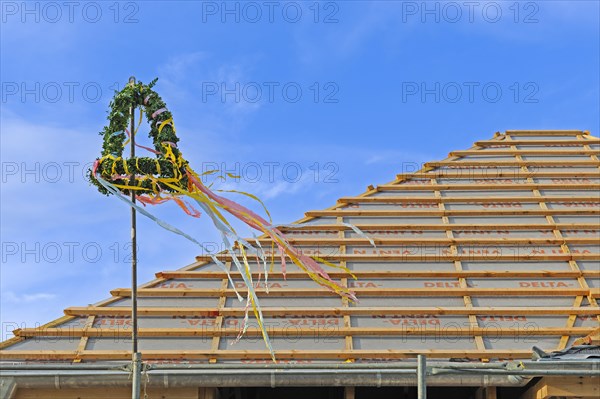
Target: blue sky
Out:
[309,101]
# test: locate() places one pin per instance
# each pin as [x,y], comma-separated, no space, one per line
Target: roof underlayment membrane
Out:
[481,256]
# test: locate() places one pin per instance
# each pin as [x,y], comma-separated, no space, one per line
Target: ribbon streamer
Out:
[176,181]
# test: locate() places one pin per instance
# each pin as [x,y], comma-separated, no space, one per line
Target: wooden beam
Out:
[84,339]
[264,355]
[569,387]
[501,186]
[515,163]
[467,200]
[544,133]
[334,311]
[454,212]
[348,339]
[487,143]
[439,227]
[293,275]
[220,305]
[318,291]
[493,174]
[497,241]
[476,255]
[326,331]
[543,153]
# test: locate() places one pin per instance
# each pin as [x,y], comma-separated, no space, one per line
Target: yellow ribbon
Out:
[166,122]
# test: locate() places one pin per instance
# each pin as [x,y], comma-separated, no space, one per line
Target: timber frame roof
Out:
[479,256]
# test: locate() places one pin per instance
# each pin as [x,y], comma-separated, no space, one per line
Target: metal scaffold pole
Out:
[421,376]
[136,360]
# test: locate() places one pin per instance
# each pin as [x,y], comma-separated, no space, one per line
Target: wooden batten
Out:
[544,133]
[302,332]
[456,212]
[467,200]
[335,311]
[490,187]
[543,153]
[515,163]
[440,227]
[359,241]
[470,174]
[487,143]
[264,355]
[490,256]
[291,275]
[363,292]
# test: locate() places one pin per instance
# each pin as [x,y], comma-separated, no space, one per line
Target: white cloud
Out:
[10,296]
[175,75]
[265,189]
[177,67]
[195,82]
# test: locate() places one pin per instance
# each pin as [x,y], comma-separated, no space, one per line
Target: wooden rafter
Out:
[89,324]
[473,323]
[348,339]
[219,319]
